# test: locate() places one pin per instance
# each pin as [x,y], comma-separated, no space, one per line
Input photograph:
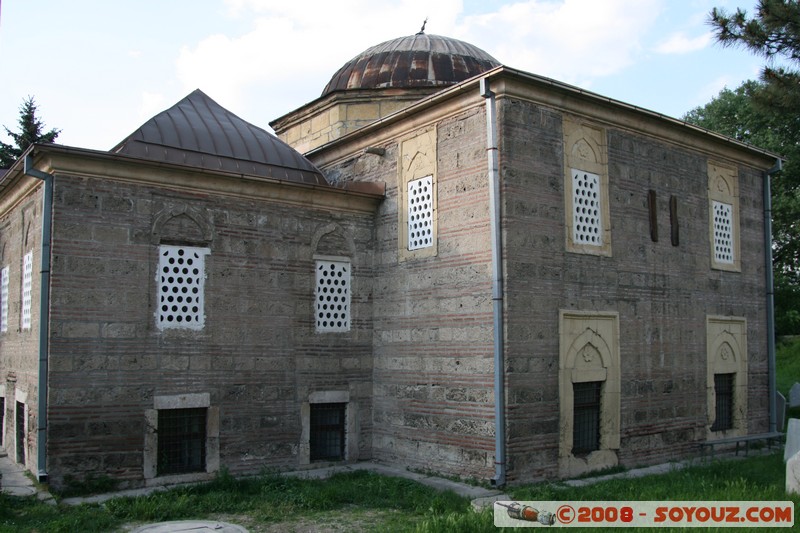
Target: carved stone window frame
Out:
[726,345]
[585,151]
[723,187]
[589,351]
[417,160]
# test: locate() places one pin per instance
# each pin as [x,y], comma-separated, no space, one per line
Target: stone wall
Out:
[433,367]
[258,356]
[21,233]
[661,292]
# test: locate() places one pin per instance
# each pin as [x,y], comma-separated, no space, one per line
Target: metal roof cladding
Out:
[199,132]
[418,60]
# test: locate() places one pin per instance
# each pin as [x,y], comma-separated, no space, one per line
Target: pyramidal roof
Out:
[199,132]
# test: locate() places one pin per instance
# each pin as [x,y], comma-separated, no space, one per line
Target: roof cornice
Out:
[65,160]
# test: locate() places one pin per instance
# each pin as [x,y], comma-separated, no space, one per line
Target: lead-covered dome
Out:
[419,60]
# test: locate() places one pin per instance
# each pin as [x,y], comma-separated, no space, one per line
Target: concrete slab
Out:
[792,439]
[197,526]
[14,481]
[793,474]
[794,395]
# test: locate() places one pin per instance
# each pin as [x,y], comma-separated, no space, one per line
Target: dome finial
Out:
[422,29]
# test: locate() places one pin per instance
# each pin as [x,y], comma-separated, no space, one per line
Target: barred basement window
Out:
[27,285]
[181,279]
[420,213]
[327,426]
[333,296]
[587,226]
[723,390]
[723,232]
[181,441]
[19,432]
[4,299]
[586,417]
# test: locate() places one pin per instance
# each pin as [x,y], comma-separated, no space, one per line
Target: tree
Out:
[31,131]
[766,113]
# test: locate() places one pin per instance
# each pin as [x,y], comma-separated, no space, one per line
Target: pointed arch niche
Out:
[727,356]
[586,207]
[589,353]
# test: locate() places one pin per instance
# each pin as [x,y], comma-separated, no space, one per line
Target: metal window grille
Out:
[723,391]
[333,296]
[181,278]
[723,232]
[181,441]
[27,285]
[420,213]
[20,432]
[587,222]
[4,299]
[586,417]
[327,431]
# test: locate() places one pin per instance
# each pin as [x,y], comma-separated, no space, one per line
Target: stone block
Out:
[794,395]
[792,439]
[793,474]
[780,409]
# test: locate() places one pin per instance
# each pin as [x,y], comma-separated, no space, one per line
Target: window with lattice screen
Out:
[420,213]
[181,281]
[27,287]
[723,214]
[332,296]
[723,232]
[587,227]
[4,299]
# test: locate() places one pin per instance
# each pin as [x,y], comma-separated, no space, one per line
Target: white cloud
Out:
[293,48]
[679,43]
[573,40]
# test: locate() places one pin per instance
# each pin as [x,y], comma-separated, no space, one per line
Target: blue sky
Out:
[100,68]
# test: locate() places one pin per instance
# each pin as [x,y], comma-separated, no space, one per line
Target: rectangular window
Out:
[181,441]
[332,296]
[723,232]
[587,217]
[27,285]
[327,431]
[723,391]
[4,300]
[181,279]
[586,417]
[19,423]
[420,213]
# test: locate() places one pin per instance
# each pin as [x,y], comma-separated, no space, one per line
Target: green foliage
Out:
[787,363]
[766,113]
[31,132]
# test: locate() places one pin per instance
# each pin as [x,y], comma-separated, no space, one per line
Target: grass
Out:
[364,501]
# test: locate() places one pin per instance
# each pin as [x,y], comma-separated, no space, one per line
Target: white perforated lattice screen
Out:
[723,232]
[333,296]
[587,222]
[181,278]
[420,213]
[4,299]
[27,285]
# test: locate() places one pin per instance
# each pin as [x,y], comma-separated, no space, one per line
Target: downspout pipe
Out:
[772,386]
[497,285]
[44,314]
